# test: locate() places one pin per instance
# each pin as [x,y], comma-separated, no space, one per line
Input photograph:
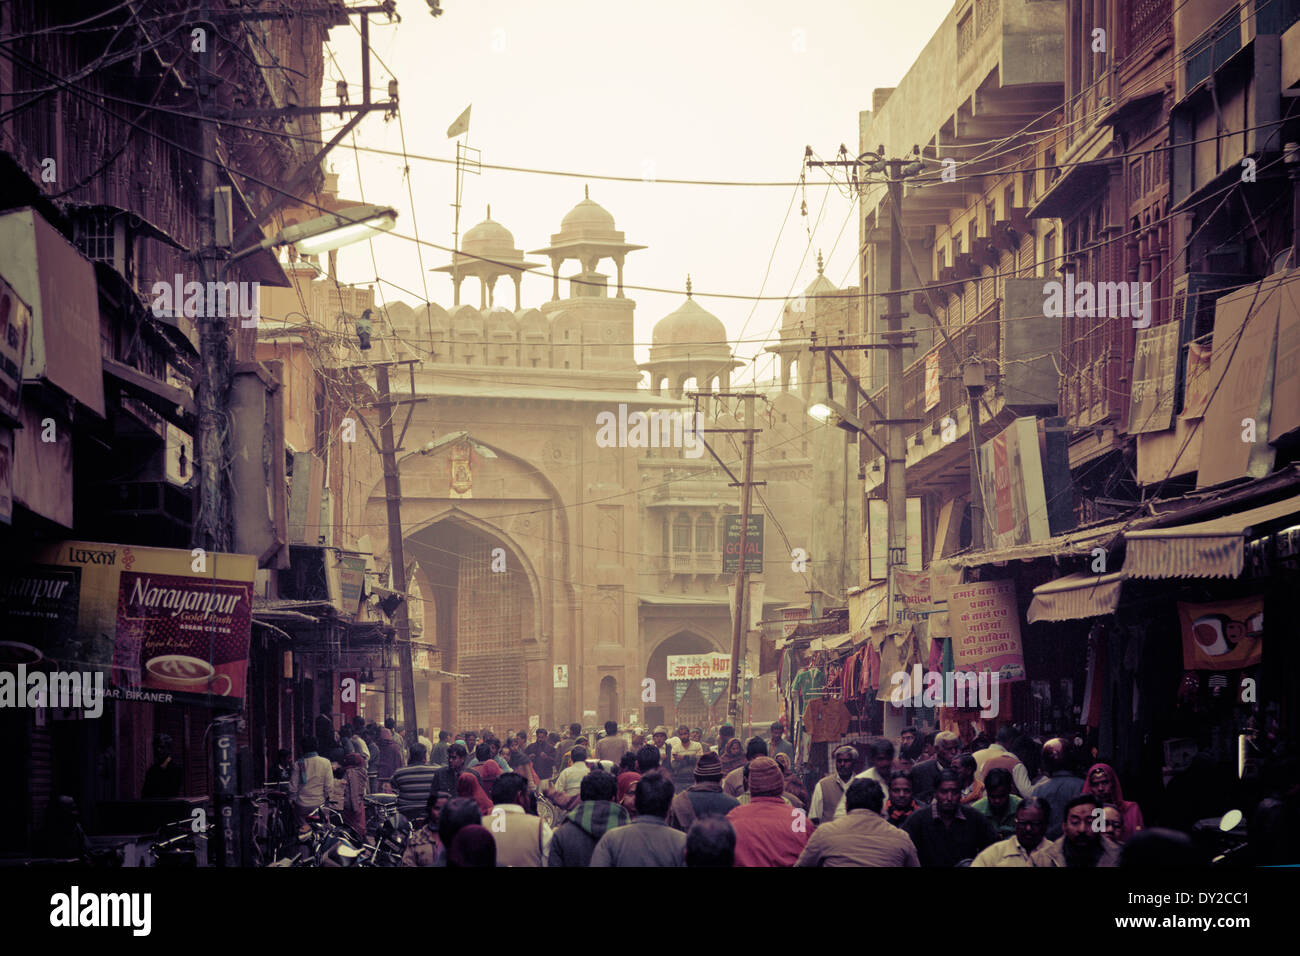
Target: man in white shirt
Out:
[684,746]
[1016,850]
[569,782]
[311,781]
[521,839]
[882,762]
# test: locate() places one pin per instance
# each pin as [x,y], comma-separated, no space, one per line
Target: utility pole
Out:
[740,608]
[895,441]
[740,624]
[388,449]
[212,526]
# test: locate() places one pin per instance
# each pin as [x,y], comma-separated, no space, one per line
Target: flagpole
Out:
[455,233]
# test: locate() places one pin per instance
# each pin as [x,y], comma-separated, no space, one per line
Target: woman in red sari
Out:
[1103,782]
[467,785]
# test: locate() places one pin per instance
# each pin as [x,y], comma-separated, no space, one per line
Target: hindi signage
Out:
[714,666]
[1155,368]
[985,624]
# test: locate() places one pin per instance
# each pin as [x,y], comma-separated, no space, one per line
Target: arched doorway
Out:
[608,703]
[668,709]
[482,602]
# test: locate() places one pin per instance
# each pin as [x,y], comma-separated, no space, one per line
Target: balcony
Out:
[695,562]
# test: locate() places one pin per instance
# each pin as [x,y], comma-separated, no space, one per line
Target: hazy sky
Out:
[711,89]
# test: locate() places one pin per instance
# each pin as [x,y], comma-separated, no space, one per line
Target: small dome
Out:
[587,219]
[489,236]
[820,286]
[690,325]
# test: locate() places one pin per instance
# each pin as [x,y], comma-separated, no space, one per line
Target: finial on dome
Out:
[688,285]
[489,215]
[819,262]
[586,191]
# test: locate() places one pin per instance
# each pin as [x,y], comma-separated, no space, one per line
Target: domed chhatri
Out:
[488,252]
[689,343]
[690,324]
[587,234]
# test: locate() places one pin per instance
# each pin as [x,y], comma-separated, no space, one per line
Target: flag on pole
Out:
[461,125]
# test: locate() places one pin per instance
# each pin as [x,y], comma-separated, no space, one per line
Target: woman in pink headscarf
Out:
[467,786]
[1103,782]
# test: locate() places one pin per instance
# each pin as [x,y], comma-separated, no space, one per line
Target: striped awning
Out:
[1207,549]
[1075,596]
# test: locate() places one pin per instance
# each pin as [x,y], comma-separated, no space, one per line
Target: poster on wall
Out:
[163,631]
[985,625]
[1223,635]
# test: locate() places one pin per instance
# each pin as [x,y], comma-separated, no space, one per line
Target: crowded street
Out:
[887,454]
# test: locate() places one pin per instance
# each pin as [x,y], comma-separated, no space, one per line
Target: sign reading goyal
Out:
[986,629]
[164,631]
[699,666]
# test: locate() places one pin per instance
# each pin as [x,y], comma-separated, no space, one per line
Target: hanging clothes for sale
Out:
[834,679]
[826,720]
[935,663]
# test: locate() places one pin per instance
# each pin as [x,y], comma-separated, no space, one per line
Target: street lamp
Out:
[330,231]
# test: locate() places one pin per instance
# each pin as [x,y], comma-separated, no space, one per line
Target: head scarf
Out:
[467,786]
[354,760]
[1117,794]
[472,846]
[734,747]
[626,781]
[385,734]
[783,761]
[488,771]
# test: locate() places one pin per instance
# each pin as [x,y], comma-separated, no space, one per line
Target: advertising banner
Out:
[1224,635]
[1011,473]
[1155,367]
[164,631]
[715,666]
[931,380]
[731,544]
[985,626]
[1196,395]
[15,320]
[878,536]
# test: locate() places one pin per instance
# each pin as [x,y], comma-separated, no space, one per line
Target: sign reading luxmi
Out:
[166,624]
[731,546]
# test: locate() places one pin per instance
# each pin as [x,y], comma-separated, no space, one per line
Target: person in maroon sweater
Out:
[769,832]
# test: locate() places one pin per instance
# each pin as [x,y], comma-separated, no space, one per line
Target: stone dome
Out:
[490,239]
[690,325]
[588,218]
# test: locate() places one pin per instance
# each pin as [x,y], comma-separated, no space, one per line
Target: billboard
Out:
[731,544]
[699,666]
[985,626]
[168,626]
[1011,474]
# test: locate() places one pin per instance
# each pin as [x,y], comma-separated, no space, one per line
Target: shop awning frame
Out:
[1075,597]
[1206,549]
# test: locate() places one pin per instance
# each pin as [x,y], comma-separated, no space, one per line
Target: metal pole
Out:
[393,495]
[896,459]
[211,525]
[976,491]
[739,624]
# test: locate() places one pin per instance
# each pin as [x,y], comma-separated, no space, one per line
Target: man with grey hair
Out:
[830,789]
[925,775]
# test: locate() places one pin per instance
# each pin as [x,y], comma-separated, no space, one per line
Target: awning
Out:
[1076,543]
[1207,549]
[1074,597]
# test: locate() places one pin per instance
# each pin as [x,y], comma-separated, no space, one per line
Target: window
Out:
[682,533]
[1215,47]
[704,534]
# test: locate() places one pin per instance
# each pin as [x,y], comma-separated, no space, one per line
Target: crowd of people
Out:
[681,799]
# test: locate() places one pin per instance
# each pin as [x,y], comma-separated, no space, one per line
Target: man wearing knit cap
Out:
[769,832]
[704,798]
